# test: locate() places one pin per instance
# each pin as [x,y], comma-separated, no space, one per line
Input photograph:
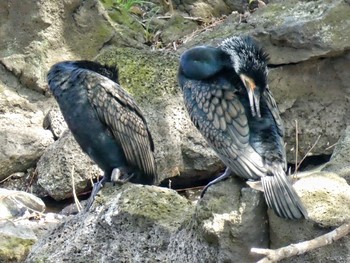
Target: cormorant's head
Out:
[202,62]
[105,70]
[250,63]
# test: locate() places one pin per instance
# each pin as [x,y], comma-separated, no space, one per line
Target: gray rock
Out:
[55,122]
[16,203]
[326,197]
[131,223]
[176,27]
[22,137]
[18,236]
[294,31]
[20,148]
[284,233]
[309,93]
[25,182]
[227,223]
[57,164]
[339,162]
[36,35]
[291,31]
[147,223]
[209,9]
[15,242]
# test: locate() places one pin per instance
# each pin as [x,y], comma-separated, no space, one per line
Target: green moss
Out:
[157,204]
[98,34]
[122,16]
[145,74]
[14,248]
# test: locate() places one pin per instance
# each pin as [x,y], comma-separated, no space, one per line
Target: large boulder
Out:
[62,161]
[326,197]
[126,224]
[21,223]
[227,223]
[48,32]
[134,222]
[16,203]
[22,138]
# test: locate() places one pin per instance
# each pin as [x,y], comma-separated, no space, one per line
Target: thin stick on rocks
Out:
[275,255]
[313,146]
[296,146]
[76,200]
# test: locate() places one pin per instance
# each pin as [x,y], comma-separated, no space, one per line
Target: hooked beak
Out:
[253,95]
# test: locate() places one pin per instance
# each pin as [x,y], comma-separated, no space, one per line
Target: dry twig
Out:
[307,153]
[8,177]
[192,18]
[296,146]
[76,200]
[274,255]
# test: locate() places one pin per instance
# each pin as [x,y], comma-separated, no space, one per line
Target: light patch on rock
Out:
[326,197]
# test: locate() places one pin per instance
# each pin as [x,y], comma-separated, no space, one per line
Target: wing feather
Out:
[231,140]
[116,108]
[271,104]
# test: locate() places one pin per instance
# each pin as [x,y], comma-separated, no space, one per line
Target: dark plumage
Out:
[105,121]
[226,94]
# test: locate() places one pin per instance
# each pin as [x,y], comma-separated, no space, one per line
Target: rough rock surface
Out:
[126,224]
[15,242]
[206,9]
[227,223]
[326,197]
[16,203]
[285,233]
[54,121]
[18,236]
[48,32]
[317,98]
[22,139]
[59,161]
[340,162]
[151,223]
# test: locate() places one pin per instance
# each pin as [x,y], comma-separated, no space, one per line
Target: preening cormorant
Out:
[227,96]
[105,121]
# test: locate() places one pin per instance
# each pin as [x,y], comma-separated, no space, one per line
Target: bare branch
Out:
[274,255]
[313,146]
[76,200]
[192,18]
[334,144]
[296,146]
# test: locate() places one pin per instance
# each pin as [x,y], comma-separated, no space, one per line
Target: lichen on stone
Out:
[145,74]
[14,249]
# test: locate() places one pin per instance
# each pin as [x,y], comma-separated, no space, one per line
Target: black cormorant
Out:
[105,121]
[226,94]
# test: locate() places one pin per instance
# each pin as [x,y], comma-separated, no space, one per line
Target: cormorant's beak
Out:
[253,95]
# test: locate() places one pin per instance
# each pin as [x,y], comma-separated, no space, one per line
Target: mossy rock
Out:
[14,249]
[121,16]
[155,204]
[145,74]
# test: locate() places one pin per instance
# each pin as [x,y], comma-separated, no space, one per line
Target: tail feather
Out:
[281,197]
